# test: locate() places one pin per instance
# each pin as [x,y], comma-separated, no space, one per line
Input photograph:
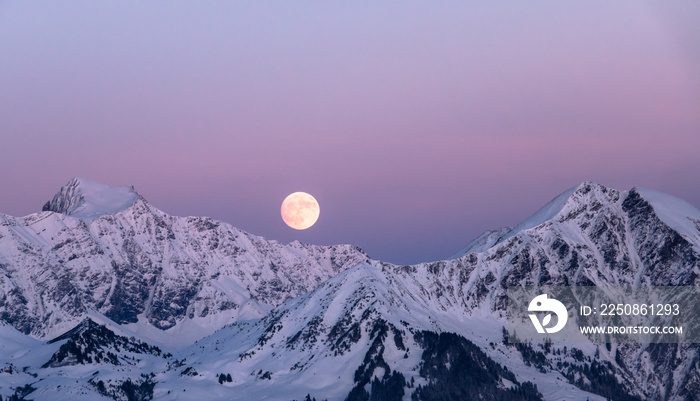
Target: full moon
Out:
[300,210]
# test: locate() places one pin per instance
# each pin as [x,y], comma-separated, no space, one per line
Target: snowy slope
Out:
[316,343]
[139,266]
[359,329]
[483,242]
[590,235]
[678,214]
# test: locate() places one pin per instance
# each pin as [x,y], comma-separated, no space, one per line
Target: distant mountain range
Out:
[103,296]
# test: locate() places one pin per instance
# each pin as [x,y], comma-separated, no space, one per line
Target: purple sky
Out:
[416,125]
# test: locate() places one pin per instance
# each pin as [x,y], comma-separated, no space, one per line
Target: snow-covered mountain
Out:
[106,250]
[373,317]
[376,331]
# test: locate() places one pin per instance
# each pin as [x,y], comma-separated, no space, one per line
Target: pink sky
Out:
[416,125]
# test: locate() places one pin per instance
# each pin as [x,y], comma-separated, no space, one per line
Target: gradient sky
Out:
[417,125]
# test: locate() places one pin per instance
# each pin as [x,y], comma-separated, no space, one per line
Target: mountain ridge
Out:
[688,224]
[141,263]
[369,329]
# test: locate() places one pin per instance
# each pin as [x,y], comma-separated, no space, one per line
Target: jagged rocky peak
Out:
[589,201]
[674,212]
[88,199]
[570,201]
[563,206]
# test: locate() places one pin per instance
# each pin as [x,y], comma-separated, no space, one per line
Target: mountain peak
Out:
[88,199]
[563,204]
[572,198]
